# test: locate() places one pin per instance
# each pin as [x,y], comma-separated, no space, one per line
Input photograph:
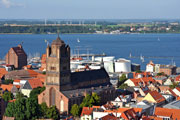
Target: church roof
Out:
[91,75]
[19,51]
[58,41]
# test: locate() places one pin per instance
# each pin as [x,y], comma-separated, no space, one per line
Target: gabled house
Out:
[147,108]
[17,57]
[87,113]
[155,97]
[30,85]
[150,67]
[140,81]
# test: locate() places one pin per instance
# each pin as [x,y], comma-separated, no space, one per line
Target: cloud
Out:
[9,3]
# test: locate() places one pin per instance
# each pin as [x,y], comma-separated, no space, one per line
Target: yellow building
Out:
[155,97]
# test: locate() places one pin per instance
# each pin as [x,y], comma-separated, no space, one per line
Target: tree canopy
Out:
[7,96]
[75,110]
[29,109]
[88,101]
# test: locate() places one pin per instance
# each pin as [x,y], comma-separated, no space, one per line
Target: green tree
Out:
[32,108]
[19,95]
[89,101]
[52,113]
[161,74]
[20,108]
[7,96]
[123,86]
[174,85]
[10,110]
[96,98]
[138,71]
[35,92]
[75,110]
[122,78]
[8,81]
[43,109]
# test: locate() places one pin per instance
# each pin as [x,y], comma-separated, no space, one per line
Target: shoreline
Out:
[79,33]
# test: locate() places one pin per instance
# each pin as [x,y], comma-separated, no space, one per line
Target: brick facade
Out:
[64,88]
[17,57]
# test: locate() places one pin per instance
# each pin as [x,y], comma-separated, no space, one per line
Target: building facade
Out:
[17,57]
[63,88]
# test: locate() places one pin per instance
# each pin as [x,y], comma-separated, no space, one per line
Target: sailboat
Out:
[158,39]
[142,58]
[130,56]
[78,40]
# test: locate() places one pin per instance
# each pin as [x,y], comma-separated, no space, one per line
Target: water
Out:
[120,46]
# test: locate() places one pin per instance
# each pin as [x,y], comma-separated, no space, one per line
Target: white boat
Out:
[142,58]
[78,40]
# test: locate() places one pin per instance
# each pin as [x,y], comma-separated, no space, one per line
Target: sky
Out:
[89,9]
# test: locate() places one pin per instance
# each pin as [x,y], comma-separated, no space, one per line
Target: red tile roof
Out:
[42,77]
[109,117]
[43,58]
[2,72]
[16,80]
[177,88]
[12,100]
[177,78]
[86,111]
[144,80]
[144,74]
[6,87]
[171,91]
[172,113]
[157,96]
[32,73]
[35,83]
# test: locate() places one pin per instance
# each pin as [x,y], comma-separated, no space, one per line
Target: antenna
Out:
[45,22]
[58,32]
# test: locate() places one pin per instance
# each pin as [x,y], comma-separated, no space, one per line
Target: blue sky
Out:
[89,9]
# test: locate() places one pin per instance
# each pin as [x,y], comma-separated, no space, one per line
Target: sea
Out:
[160,48]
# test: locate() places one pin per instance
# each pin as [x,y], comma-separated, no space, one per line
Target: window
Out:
[52,68]
[52,96]
[62,105]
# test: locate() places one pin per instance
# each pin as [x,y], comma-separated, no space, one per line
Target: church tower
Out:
[58,73]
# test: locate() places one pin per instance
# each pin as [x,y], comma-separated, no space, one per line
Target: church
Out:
[65,88]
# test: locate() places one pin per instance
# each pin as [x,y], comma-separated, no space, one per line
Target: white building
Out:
[123,65]
[150,67]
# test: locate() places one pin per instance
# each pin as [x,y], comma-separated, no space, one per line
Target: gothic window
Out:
[62,105]
[52,96]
